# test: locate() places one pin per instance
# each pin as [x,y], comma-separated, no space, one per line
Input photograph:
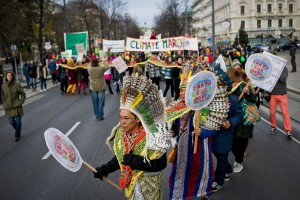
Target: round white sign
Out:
[226,24]
[62,149]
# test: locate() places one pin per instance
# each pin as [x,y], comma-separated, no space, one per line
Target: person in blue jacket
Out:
[222,143]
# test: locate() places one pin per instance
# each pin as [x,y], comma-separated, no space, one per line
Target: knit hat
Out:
[235,62]
[142,98]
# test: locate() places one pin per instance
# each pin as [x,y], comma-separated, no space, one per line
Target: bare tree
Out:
[170,21]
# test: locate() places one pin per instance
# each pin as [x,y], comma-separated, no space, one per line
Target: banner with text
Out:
[114,45]
[72,39]
[172,44]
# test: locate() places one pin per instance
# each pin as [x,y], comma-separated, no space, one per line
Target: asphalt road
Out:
[271,169]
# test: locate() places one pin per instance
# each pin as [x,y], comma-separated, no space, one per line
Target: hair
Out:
[234,74]
[9,72]
[167,60]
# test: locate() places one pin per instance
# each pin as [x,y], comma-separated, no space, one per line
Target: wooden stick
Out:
[104,178]
[257,90]
[197,122]
[242,94]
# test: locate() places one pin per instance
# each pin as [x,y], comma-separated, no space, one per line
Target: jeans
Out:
[33,83]
[223,167]
[98,98]
[16,123]
[169,83]
[283,102]
[27,80]
[43,83]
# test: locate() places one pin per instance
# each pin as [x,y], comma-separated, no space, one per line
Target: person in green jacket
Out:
[13,97]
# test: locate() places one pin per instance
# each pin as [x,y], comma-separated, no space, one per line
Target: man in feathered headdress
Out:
[141,140]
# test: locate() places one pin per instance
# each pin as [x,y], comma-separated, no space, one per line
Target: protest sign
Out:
[119,64]
[71,39]
[258,67]
[172,44]
[65,152]
[114,45]
[200,90]
[80,48]
[277,65]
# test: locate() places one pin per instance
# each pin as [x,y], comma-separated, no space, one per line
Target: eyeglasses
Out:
[126,119]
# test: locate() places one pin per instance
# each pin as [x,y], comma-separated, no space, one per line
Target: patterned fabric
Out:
[122,145]
[192,174]
[153,70]
[148,187]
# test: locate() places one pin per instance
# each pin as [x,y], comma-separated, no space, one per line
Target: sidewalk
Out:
[30,93]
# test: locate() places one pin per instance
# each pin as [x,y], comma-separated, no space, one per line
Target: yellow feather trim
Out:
[137,100]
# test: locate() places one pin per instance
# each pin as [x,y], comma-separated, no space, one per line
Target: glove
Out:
[107,168]
[100,173]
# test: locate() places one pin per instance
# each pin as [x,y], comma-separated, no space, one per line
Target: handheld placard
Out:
[65,152]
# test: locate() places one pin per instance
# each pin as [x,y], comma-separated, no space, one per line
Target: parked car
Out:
[284,46]
[259,46]
[256,46]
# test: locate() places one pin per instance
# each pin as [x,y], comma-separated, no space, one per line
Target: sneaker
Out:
[289,134]
[216,187]
[238,168]
[45,90]
[235,164]
[272,131]
[41,91]
[227,177]
[17,139]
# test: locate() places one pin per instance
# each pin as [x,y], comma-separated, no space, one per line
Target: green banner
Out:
[71,39]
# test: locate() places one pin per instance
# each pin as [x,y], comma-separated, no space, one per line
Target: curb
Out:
[293,90]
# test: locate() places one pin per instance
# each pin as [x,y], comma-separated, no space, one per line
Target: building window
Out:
[290,22]
[280,7]
[259,23]
[269,8]
[242,25]
[290,8]
[269,23]
[242,10]
[258,8]
[279,22]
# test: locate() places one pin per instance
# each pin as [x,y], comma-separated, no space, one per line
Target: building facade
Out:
[263,20]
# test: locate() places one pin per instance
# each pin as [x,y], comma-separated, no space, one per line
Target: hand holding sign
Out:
[200,91]
[65,152]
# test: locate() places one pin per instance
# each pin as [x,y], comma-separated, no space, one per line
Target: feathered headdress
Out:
[141,97]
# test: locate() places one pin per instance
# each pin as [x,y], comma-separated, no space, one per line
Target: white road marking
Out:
[282,131]
[46,156]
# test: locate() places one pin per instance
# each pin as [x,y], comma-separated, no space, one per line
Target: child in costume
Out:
[141,140]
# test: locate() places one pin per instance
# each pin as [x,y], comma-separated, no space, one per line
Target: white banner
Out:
[278,65]
[172,44]
[115,45]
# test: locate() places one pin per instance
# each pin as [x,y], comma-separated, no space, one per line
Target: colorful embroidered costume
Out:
[192,173]
[140,152]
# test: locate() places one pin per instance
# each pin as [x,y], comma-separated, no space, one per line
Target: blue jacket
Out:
[222,141]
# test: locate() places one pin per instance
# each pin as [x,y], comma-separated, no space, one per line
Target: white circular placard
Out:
[62,149]
[200,90]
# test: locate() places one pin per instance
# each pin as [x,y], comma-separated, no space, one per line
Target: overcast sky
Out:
[144,10]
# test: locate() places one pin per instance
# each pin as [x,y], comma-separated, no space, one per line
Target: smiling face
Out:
[128,121]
